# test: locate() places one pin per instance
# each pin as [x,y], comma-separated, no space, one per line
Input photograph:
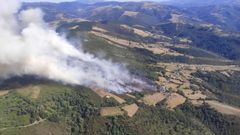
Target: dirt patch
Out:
[226,74]
[155,48]
[154,98]
[31,91]
[223,108]
[178,77]
[99,29]
[35,92]
[130,109]
[163,50]
[176,81]
[4,92]
[175,100]
[116,40]
[175,18]
[194,95]
[131,96]
[103,93]
[185,86]
[74,27]
[171,86]
[111,111]
[162,80]
[138,31]
[197,102]
[130,13]
[194,67]
[185,40]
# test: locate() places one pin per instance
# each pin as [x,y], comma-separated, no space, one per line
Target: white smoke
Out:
[29,47]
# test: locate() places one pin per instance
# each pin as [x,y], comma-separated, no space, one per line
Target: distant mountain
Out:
[189,3]
[197,3]
[146,13]
[225,16]
[142,13]
[89,1]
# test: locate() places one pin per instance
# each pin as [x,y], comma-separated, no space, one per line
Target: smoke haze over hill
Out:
[29,47]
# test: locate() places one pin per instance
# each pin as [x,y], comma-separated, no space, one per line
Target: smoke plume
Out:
[29,47]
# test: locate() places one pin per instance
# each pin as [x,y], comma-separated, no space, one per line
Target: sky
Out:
[57,1]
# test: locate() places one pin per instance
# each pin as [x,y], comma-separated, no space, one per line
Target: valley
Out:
[188,63]
[177,86]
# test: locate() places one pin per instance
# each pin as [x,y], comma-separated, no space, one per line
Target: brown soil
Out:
[154,98]
[111,111]
[130,109]
[224,108]
[175,100]
[194,95]
[103,93]
[4,92]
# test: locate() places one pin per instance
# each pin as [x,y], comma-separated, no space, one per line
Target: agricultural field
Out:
[190,87]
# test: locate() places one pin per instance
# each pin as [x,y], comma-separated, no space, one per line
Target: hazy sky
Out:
[47,0]
[83,0]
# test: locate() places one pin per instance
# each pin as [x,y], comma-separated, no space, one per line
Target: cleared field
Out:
[154,98]
[130,13]
[155,48]
[103,93]
[99,29]
[171,86]
[197,102]
[223,108]
[175,18]
[137,31]
[131,96]
[31,91]
[116,40]
[35,93]
[175,81]
[185,86]
[111,111]
[162,80]
[74,27]
[194,95]
[4,92]
[175,100]
[130,109]
[194,67]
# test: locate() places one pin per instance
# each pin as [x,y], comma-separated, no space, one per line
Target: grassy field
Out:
[56,105]
[76,110]
[10,106]
[40,129]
